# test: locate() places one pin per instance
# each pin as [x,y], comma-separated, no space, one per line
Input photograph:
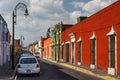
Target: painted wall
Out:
[47,48]
[100,24]
[4,42]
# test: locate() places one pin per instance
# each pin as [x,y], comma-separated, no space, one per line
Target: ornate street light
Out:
[19,5]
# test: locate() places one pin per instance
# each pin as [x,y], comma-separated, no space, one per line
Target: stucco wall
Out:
[100,24]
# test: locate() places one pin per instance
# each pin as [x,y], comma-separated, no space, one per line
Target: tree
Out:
[48,33]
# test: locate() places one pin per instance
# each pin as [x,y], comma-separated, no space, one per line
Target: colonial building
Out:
[47,49]
[17,46]
[37,46]
[31,48]
[41,46]
[56,40]
[4,42]
[95,42]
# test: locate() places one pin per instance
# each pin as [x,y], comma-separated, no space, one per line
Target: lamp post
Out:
[22,5]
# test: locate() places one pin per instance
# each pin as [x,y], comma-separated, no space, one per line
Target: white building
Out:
[4,42]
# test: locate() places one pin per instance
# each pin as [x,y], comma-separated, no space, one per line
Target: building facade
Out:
[17,46]
[31,48]
[47,49]
[56,40]
[94,42]
[4,42]
[41,47]
[36,46]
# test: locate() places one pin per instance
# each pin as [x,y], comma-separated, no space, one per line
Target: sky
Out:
[44,14]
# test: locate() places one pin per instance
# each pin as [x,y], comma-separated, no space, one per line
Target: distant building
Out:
[17,46]
[41,46]
[4,42]
[31,48]
[47,49]
[35,46]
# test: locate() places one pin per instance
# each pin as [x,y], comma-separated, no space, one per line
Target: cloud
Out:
[74,15]
[44,14]
[95,5]
[78,4]
[44,7]
[34,25]
[91,6]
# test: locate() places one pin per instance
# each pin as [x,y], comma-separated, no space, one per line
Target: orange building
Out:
[31,48]
[17,46]
[47,52]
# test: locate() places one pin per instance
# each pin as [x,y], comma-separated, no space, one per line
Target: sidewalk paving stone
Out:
[6,73]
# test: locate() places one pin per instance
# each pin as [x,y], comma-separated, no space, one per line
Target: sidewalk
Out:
[87,70]
[6,73]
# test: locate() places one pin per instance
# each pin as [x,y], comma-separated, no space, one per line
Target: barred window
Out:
[93,45]
[79,51]
[112,51]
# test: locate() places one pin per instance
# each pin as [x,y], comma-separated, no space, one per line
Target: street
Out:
[52,71]
[59,40]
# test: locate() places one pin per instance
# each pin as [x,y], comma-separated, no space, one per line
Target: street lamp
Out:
[22,5]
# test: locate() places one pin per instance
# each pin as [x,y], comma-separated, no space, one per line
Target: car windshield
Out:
[28,60]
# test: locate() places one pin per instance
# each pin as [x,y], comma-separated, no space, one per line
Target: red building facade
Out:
[95,42]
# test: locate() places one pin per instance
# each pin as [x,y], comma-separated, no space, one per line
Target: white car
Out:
[26,54]
[28,65]
[37,54]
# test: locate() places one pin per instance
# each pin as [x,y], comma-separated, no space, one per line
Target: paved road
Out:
[52,71]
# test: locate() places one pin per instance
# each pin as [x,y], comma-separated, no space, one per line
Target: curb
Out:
[106,77]
[88,72]
[13,77]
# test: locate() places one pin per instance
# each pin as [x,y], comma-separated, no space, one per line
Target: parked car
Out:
[26,54]
[28,65]
[37,54]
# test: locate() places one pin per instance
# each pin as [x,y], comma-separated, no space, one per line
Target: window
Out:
[112,51]
[79,51]
[93,45]
[93,51]
[112,48]
[72,37]
[62,51]
[28,60]
[67,52]
[112,39]
[73,52]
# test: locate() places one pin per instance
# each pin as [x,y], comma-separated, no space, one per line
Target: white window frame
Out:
[112,71]
[67,42]
[73,51]
[72,37]
[91,38]
[80,40]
